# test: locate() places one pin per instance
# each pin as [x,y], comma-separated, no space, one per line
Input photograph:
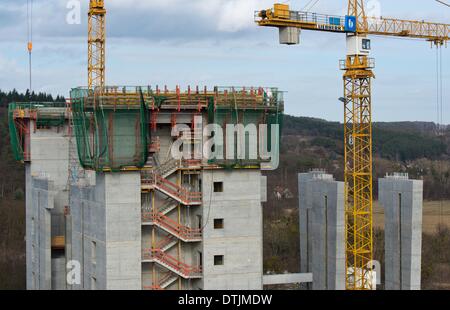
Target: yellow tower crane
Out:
[357,110]
[96,44]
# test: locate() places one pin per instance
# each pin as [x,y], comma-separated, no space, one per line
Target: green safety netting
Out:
[110,138]
[16,127]
[232,115]
[16,140]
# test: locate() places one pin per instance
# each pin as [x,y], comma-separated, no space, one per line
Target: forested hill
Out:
[412,147]
[402,141]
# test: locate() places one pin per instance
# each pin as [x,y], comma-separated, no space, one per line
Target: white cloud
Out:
[236,15]
[224,15]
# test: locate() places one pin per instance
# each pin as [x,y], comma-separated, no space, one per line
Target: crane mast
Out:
[357,99]
[358,154]
[96,44]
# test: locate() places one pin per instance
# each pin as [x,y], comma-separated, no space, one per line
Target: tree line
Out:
[15,96]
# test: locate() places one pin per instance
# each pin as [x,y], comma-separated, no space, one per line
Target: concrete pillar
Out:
[123,229]
[304,210]
[322,230]
[402,200]
[106,231]
[46,177]
[39,233]
[239,242]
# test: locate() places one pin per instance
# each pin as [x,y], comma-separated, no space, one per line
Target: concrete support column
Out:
[322,230]
[402,200]
[123,230]
[106,231]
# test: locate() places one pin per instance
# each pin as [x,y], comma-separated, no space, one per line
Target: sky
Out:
[217,43]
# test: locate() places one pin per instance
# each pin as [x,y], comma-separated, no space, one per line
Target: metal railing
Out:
[119,97]
[175,191]
[171,226]
[179,267]
[314,19]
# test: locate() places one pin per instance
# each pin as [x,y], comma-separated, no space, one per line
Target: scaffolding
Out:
[110,136]
[113,125]
[231,113]
[26,117]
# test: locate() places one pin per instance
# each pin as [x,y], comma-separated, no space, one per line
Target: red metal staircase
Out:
[168,206]
[163,281]
[171,263]
[169,167]
[180,231]
[177,192]
[167,243]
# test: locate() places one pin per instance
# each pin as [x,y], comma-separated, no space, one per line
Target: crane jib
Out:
[283,17]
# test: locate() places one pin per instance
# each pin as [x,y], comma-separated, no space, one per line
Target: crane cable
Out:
[30,37]
[310,5]
[442,2]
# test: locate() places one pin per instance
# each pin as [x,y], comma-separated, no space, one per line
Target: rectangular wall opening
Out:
[218,260]
[94,252]
[200,222]
[200,259]
[218,223]
[218,187]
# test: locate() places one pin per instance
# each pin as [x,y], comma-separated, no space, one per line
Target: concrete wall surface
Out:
[240,239]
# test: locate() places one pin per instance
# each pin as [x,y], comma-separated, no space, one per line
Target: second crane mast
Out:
[96,44]
[358,153]
[357,101]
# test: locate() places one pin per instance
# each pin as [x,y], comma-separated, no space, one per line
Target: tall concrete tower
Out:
[402,200]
